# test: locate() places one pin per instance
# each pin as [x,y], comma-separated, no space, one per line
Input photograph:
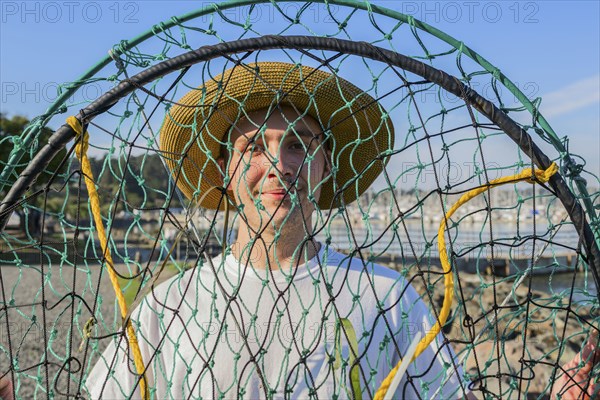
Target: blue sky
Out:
[553,47]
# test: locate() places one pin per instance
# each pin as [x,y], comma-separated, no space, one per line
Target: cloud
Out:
[572,97]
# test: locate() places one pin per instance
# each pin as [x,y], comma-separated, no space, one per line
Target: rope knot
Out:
[87,332]
[542,175]
[83,145]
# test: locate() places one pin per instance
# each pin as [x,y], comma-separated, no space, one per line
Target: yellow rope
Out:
[528,175]
[81,151]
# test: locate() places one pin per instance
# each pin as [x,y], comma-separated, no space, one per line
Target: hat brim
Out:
[359,131]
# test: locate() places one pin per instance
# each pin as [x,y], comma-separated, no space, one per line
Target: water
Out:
[379,237]
[584,286]
[468,237]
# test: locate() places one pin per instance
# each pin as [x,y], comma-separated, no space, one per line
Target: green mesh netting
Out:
[524,293]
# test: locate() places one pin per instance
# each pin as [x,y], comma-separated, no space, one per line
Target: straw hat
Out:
[357,128]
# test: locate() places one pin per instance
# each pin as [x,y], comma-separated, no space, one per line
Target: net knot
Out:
[121,47]
[17,142]
[159,28]
[496,73]
[571,169]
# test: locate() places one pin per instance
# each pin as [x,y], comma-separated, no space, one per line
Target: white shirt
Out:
[237,332]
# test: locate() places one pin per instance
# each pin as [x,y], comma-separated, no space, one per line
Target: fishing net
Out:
[465,193]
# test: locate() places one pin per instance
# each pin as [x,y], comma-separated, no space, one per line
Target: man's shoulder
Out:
[364,275]
[173,284]
[361,264]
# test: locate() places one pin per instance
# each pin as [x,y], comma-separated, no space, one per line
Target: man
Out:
[280,315]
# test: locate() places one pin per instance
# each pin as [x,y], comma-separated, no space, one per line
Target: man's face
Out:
[276,171]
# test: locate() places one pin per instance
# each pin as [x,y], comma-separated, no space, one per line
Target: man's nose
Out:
[282,166]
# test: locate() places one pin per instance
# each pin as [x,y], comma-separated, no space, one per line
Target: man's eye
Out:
[254,148]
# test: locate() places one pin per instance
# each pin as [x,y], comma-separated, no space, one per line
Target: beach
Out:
[58,327]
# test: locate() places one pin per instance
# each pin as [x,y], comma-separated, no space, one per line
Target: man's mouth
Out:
[282,191]
[278,193]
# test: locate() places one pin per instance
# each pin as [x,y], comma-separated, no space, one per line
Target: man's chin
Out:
[282,216]
[282,213]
